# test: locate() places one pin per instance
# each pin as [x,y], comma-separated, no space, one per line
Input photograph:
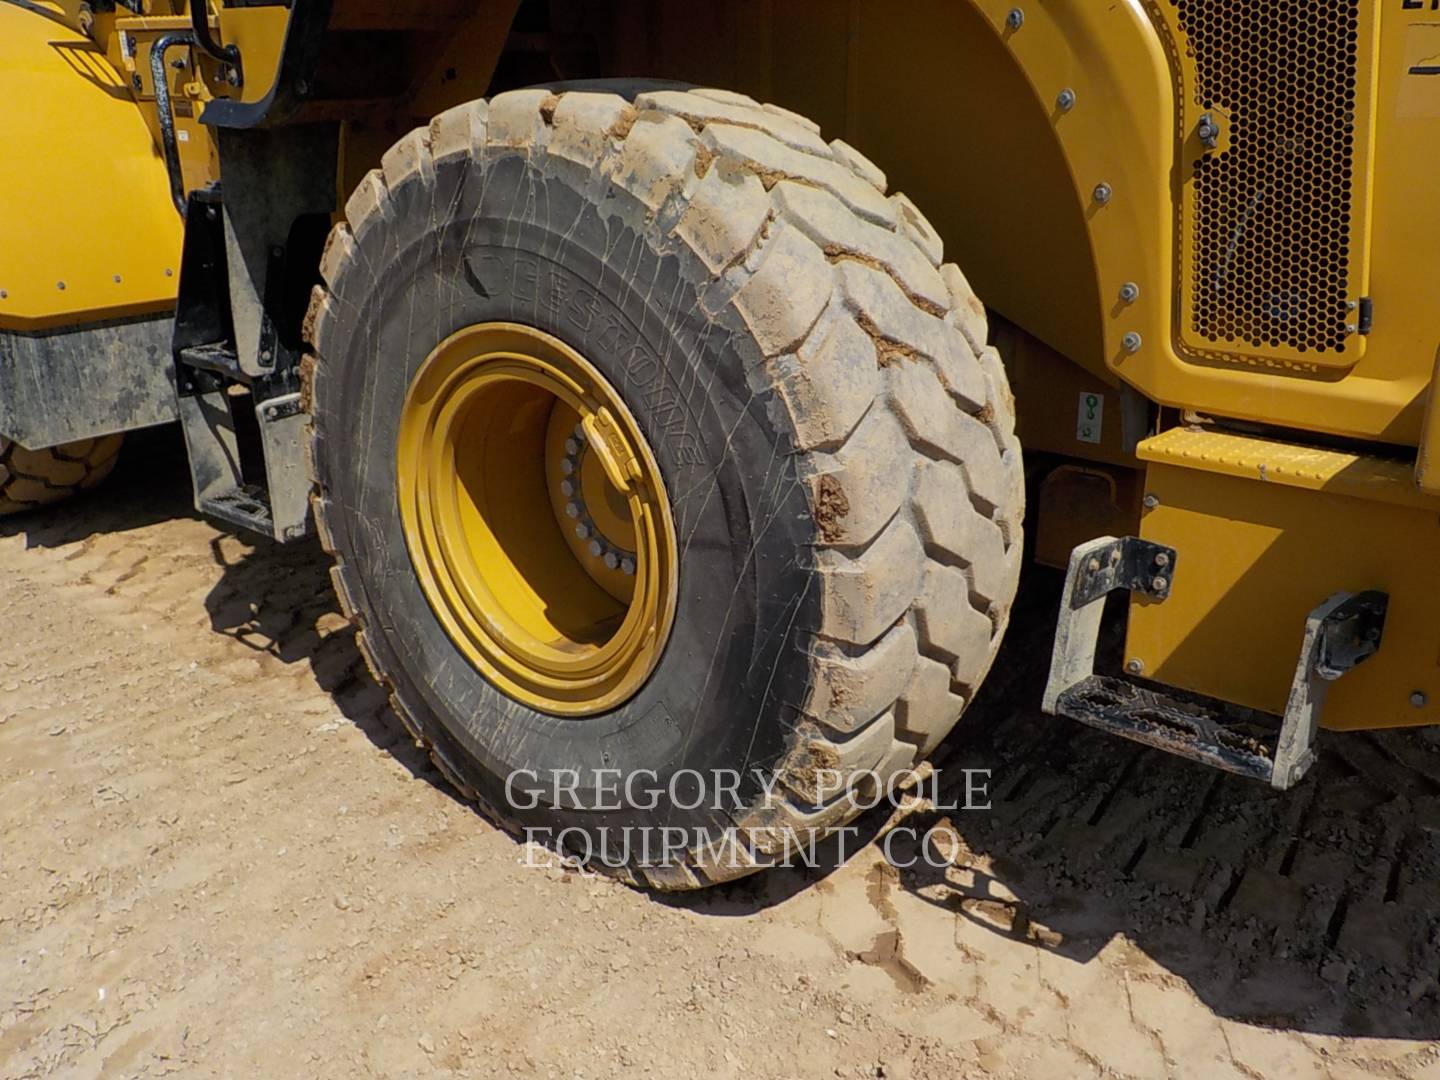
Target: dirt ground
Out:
[219,855]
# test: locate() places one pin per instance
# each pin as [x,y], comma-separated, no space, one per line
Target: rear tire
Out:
[836,438]
[30,479]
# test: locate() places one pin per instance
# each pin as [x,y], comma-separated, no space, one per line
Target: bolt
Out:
[1093,566]
[1103,193]
[572,511]
[60,285]
[1162,560]
[1351,328]
[1160,584]
[1151,502]
[265,356]
[1066,101]
[1015,19]
[1129,292]
[627,567]
[596,548]
[567,488]
[1419,699]
[611,560]
[1115,556]
[582,531]
[572,447]
[1135,666]
[135,81]
[580,432]
[1351,305]
[232,76]
[169,272]
[117,279]
[3,294]
[568,466]
[1131,342]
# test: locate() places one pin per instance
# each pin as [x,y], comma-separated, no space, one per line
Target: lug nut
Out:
[568,466]
[567,488]
[1419,699]
[611,560]
[572,447]
[582,531]
[627,567]
[580,433]
[596,548]
[572,510]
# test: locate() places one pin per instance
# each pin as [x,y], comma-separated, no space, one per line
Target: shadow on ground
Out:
[1317,910]
[150,484]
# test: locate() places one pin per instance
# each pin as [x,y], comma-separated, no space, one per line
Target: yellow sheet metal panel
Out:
[1362,476]
[259,34]
[89,231]
[1128,128]
[1265,531]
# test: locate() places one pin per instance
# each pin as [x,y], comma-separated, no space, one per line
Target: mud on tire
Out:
[30,479]
[848,494]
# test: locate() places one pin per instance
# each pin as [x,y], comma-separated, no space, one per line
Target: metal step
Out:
[246,507]
[220,359]
[1190,728]
[1341,632]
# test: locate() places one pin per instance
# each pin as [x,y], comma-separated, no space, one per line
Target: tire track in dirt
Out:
[211,814]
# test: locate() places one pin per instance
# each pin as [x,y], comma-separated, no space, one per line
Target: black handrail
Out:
[158,75]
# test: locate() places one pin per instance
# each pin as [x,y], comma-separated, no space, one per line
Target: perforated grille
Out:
[1271,206]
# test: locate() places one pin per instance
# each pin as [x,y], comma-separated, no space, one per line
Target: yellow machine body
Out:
[1104,172]
[87,227]
[1266,531]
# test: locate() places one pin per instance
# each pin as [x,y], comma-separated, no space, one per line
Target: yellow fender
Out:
[90,232]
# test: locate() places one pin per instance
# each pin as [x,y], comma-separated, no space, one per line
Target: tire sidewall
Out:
[518,245]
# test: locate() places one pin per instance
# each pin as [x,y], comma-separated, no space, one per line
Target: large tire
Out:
[30,479]
[849,582]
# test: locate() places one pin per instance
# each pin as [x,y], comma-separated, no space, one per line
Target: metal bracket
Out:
[1341,633]
[1097,569]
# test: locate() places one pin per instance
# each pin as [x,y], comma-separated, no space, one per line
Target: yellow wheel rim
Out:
[536,519]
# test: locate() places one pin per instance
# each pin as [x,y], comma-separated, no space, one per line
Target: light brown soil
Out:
[219,856]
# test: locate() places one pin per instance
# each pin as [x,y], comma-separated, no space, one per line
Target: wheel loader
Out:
[658,437]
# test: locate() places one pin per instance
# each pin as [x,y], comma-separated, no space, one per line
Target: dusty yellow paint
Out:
[495,483]
[1265,531]
[84,198]
[259,34]
[963,114]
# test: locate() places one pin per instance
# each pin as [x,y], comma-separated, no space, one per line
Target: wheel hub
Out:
[536,519]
